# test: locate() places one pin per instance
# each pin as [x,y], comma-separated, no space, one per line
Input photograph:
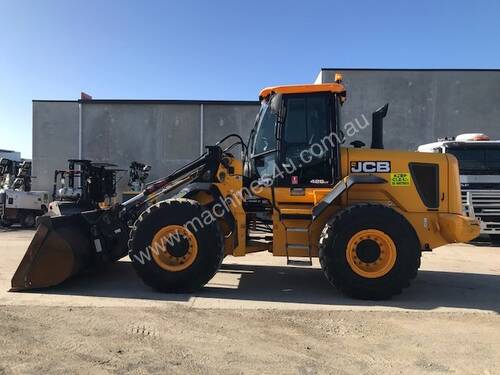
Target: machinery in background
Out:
[8,171]
[84,186]
[137,176]
[479,164]
[10,154]
[18,204]
[23,177]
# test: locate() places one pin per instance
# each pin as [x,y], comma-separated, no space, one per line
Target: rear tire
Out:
[171,268]
[369,252]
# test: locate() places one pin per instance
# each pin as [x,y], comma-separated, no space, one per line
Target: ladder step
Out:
[297,236]
[296,229]
[301,216]
[296,246]
[295,262]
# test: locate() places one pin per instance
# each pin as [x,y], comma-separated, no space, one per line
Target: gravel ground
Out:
[257,316]
[181,340]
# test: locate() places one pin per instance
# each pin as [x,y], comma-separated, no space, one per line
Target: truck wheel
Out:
[6,223]
[28,220]
[369,252]
[171,247]
[495,238]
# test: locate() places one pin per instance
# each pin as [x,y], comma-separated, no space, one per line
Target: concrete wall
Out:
[55,140]
[423,104]
[164,134]
[221,120]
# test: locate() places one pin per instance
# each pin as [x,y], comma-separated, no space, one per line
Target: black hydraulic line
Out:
[234,135]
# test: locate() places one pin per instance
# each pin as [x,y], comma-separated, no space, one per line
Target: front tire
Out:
[172,249]
[369,252]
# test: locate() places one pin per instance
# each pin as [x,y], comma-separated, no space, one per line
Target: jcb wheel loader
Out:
[367,213]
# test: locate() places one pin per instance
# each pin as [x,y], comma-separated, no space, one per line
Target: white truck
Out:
[22,206]
[479,162]
[18,204]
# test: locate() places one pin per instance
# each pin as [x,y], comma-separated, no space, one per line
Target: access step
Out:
[299,262]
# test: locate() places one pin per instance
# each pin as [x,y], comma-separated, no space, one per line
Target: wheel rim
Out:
[371,253]
[174,248]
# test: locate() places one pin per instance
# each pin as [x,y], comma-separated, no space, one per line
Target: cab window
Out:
[265,139]
[264,145]
[307,123]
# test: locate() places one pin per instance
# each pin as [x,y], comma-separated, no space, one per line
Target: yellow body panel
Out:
[434,227]
[457,228]
[230,186]
[402,196]
[454,198]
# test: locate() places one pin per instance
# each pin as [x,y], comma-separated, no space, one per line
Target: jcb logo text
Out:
[370,166]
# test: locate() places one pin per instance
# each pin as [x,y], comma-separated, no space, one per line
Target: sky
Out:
[225,50]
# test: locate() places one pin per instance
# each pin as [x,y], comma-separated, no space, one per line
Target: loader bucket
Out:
[60,249]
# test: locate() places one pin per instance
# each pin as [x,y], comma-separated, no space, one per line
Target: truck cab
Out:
[479,164]
[18,203]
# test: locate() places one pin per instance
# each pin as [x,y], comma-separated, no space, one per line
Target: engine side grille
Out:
[483,205]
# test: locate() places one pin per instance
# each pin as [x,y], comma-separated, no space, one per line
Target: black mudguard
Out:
[341,187]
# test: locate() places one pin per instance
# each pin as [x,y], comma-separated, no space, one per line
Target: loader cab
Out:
[294,141]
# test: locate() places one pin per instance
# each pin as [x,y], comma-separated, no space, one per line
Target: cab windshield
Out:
[263,136]
[475,160]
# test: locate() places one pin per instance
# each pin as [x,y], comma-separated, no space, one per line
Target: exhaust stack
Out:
[378,127]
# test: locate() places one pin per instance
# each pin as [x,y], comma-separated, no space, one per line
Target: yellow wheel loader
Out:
[367,213]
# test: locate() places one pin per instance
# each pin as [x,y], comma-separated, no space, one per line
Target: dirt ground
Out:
[180,340]
[256,316]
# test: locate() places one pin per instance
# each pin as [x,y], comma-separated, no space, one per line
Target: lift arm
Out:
[208,162]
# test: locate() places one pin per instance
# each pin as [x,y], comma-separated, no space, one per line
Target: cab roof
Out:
[453,143]
[303,89]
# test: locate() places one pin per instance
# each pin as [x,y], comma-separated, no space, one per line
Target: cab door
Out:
[307,140]
[306,169]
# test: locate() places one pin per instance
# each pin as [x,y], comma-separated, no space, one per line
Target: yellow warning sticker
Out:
[400,179]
